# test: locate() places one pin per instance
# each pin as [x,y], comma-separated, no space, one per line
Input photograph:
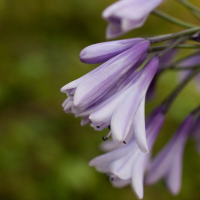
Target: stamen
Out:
[98,126]
[111,179]
[124,142]
[107,136]
[109,127]
[104,138]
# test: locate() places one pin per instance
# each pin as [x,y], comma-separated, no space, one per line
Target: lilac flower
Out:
[193,60]
[127,15]
[88,89]
[123,108]
[127,164]
[102,52]
[168,163]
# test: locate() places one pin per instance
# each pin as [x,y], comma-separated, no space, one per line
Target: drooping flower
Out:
[127,15]
[123,108]
[168,163]
[88,89]
[127,164]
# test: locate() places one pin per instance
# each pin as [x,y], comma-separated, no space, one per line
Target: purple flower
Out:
[168,163]
[102,52]
[88,89]
[127,15]
[127,164]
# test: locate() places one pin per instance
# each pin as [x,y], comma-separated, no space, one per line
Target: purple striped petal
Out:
[126,111]
[139,128]
[102,52]
[95,86]
[168,163]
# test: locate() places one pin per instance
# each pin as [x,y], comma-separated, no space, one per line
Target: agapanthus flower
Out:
[127,15]
[127,164]
[88,89]
[168,163]
[113,93]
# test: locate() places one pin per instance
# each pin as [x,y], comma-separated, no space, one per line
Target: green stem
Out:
[196,111]
[173,19]
[178,41]
[163,38]
[181,68]
[174,94]
[195,10]
[180,46]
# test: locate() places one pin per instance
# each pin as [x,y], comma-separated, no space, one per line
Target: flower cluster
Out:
[113,96]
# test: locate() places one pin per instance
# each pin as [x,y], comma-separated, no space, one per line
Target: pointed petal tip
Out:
[91,163]
[143,147]
[174,191]
[62,89]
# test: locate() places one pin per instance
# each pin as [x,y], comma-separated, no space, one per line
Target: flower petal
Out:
[100,82]
[102,52]
[139,128]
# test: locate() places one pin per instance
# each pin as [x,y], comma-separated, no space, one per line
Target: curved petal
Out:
[102,52]
[139,128]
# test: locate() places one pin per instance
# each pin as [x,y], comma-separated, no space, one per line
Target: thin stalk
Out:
[181,68]
[180,46]
[163,38]
[170,47]
[175,93]
[173,19]
[195,10]
[196,111]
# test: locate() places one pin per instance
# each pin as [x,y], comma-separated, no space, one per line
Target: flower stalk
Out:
[173,19]
[164,38]
[195,10]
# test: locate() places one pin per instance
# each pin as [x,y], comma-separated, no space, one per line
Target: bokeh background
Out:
[44,153]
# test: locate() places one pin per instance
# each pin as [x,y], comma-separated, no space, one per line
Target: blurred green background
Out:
[44,153]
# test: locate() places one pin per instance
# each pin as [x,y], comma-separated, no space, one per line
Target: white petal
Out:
[139,128]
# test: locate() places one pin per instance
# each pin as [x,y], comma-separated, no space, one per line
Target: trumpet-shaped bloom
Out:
[168,163]
[127,15]
[88,89]
[127,163]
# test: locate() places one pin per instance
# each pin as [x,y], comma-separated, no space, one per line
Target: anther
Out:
[104,138]
[109,127]
[98,126]
[124,142]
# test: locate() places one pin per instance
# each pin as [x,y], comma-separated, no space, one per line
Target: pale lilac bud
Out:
[102,52]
